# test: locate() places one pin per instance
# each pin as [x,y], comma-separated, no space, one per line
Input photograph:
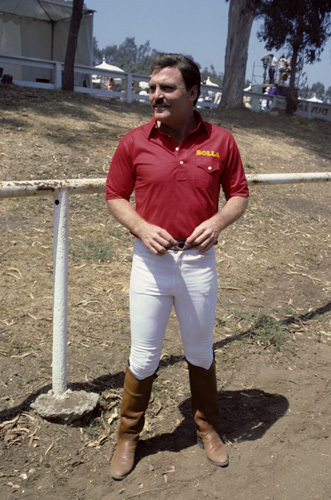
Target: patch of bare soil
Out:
[272,330]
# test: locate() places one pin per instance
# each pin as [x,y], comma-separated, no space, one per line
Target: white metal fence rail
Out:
[60,190]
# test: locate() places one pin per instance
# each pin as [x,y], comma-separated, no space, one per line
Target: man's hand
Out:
[156,239]
[205,235]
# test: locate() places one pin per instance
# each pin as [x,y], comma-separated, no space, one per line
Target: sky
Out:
[192,27]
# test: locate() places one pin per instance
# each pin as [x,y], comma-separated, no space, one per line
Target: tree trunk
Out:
[291,96]
[241,16]
[68,73]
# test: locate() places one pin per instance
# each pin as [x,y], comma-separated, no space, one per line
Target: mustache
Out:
[160,102]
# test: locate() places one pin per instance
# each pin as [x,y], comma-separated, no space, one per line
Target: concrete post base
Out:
[66,407]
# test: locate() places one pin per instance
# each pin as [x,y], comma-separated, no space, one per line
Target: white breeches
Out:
[185,280]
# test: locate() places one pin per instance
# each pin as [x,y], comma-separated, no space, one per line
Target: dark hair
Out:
[189,70]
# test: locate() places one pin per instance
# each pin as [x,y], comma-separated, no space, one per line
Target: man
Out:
[282,66]
[176,164]
[272,69]
[266,61]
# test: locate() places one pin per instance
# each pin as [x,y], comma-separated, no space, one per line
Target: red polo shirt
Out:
[176,186]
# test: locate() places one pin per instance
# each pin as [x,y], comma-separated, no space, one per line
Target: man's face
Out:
[171,101]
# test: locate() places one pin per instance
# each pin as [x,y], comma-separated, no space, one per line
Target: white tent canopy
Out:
[314,99]
[209,82]
[39,29]
[109,67]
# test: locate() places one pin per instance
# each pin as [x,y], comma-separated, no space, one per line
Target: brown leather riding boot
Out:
[136,394]
[205,412]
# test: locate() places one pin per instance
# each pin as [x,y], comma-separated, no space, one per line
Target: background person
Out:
[266,61]
[110,84]
[272,68]
[176,165]
[282,66]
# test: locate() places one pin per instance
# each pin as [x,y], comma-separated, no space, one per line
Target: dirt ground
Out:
[272,330]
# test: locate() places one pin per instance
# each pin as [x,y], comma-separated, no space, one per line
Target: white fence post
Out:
[60,290]
[58,76]
[129,87]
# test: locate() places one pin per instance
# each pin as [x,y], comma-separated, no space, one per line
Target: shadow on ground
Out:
[245,416]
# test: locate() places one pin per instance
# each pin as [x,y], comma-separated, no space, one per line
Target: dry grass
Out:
[274,280]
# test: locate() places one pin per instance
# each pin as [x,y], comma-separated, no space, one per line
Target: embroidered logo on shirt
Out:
[207,153]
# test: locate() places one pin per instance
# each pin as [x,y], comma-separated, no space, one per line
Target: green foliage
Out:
[270,333]
[301,29]
[219,321]
[127,56]
[211,73]
[318,89]
[97,54]
[264,331]
[91,249]
[304,26]
[249,165]
[138,59]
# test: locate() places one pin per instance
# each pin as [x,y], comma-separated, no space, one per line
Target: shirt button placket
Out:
[182,172]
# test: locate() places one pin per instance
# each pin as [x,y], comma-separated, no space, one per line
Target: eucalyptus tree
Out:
[68,71]
[241,16]
[299,28]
